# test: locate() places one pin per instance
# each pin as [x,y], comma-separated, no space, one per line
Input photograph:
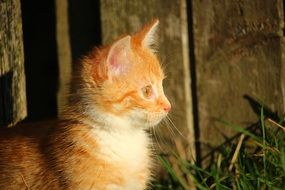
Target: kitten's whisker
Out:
[152,147]
[165,141]
[157,141]
[173,115]
[173,140]
[169,127]
[172,133]
[161,140]
[154,134]
[171,122]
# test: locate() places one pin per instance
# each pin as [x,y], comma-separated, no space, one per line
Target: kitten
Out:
[101,142]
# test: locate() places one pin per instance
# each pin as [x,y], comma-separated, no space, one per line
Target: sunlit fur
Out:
[101,142]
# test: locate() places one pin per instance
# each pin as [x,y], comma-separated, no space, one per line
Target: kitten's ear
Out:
[148,34]
[118,57]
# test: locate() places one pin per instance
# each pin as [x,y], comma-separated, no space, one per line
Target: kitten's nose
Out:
[167,108]
[165,105]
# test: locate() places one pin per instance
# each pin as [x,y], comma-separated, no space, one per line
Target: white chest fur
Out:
[128,145]
[129,148]
[125,146]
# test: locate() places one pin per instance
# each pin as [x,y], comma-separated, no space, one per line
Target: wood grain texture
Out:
[237,53]
[64,53]
[12,76]
[126,17]
[282,72]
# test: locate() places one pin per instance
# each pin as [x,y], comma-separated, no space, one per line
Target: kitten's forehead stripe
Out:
[149,61]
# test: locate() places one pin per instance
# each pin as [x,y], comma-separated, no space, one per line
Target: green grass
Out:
[254,161]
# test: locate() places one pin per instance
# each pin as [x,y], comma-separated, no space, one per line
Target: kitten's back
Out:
[22,162]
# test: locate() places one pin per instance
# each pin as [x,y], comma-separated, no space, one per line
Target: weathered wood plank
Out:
[237,53]
[12,77]
[282,72]
[64,53]
[121,17]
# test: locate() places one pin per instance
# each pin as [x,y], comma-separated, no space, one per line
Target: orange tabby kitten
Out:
[101,142]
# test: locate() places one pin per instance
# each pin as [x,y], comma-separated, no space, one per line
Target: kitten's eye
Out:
[147,91]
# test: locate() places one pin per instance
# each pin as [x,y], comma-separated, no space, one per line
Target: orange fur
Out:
[100,142]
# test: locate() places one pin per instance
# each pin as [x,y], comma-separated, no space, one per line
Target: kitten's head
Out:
[127,79]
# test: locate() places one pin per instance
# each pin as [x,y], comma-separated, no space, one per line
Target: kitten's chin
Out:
[154,120]
[145,120]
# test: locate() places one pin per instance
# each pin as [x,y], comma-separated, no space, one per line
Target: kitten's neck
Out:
[96,117]
[105,120]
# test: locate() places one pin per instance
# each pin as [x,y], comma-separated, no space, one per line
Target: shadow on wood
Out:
[6,99]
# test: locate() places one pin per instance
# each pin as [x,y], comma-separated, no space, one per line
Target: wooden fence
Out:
[12,77]
[219,55]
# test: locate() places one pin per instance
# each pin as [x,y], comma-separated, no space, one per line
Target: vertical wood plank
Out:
[238,53]
[187,80]
[64,52]
[282,72]
[12,76]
